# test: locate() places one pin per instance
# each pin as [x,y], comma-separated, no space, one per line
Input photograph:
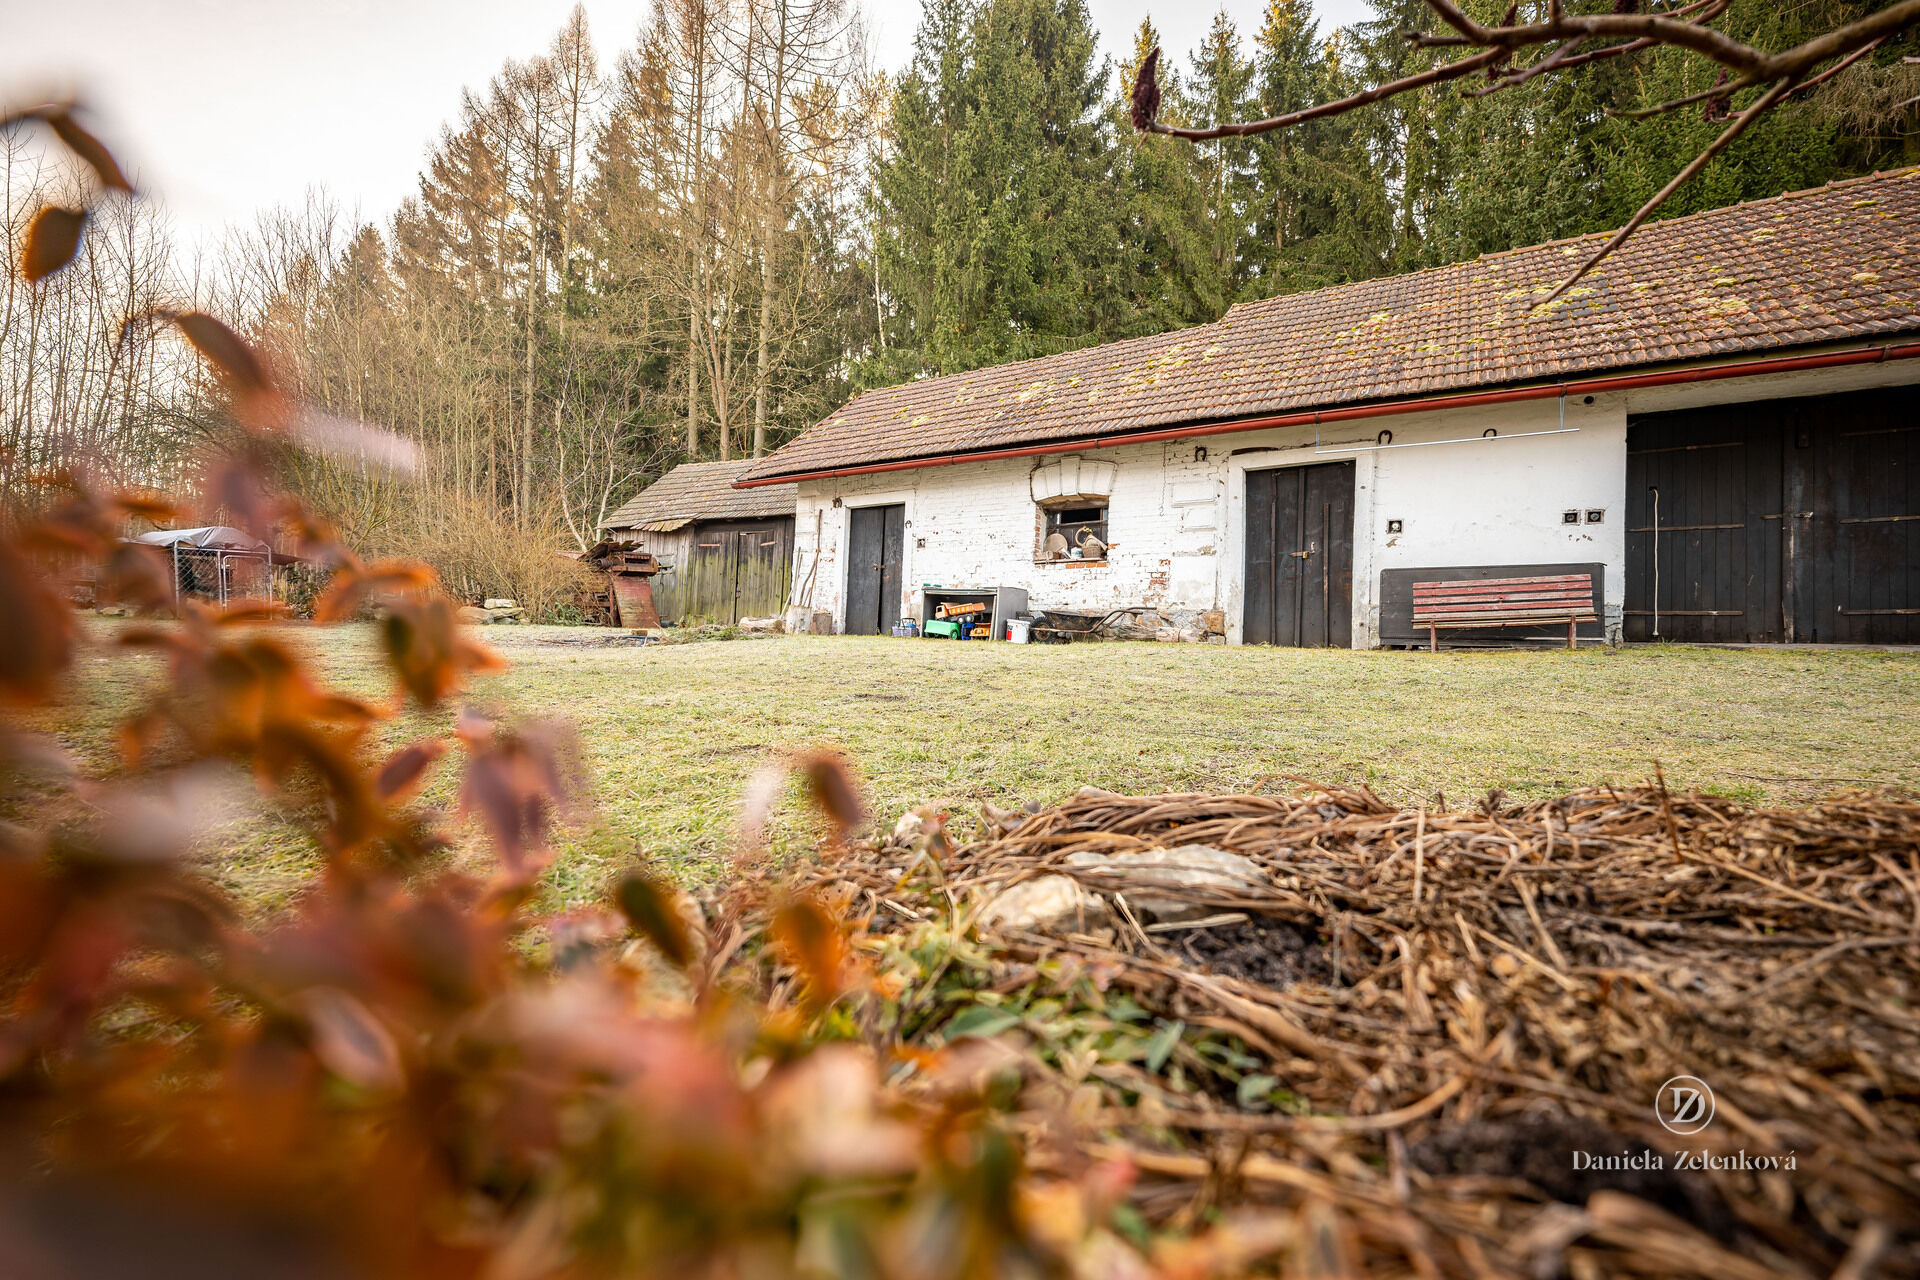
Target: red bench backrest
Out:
[1548,596]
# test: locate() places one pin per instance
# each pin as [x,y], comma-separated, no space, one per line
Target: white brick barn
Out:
[1721,424]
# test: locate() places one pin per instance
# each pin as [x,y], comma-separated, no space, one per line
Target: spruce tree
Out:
[1562,155]
[1319,212]
[1171,275]
[999,234]
[1218,90]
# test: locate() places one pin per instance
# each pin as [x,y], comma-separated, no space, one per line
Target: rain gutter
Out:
[1510,395]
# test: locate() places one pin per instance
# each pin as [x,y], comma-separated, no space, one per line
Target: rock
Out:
[1215,621]
[1181,619]
[1198,866]
[1044,903]
[761,626]
[1167,635]
[1216,639]
[997,821]
[1150,619]
[1192,635]
[468,613]
[500,602]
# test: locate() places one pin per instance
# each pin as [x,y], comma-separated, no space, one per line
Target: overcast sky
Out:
[223,107]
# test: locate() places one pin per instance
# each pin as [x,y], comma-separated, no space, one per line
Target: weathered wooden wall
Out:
[723,570]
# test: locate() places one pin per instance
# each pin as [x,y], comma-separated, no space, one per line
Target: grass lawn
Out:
[671,733]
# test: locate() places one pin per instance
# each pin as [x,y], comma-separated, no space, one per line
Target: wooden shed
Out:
[725,553]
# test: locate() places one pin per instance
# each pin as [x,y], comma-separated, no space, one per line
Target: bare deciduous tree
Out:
[78,390]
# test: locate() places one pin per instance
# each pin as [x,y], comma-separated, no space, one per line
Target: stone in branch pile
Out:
[1183,876]
[495,609]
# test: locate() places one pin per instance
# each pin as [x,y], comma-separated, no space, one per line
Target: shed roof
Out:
[220,536]
[701,491]
[1837,263]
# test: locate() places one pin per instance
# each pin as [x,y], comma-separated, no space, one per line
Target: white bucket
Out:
[1017,629]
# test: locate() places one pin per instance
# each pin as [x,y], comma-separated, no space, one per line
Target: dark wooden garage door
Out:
[1794,521]
[1299,587]
[875,549]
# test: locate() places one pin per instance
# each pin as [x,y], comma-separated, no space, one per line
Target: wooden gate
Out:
[1788,521]
[876,547]
[1299,574]
[734,569]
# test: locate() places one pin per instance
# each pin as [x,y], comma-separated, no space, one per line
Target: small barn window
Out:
[1071,494]
[1075,529]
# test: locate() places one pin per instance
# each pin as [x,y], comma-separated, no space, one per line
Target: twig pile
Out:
[1489,995]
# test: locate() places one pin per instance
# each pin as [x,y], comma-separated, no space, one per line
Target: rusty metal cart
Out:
[1065,626]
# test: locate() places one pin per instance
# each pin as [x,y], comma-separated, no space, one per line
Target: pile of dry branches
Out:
[1465,1002]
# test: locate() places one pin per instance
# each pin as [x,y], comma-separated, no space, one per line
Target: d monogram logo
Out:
[1684,1105]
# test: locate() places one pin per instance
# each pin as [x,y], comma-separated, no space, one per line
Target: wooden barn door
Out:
[1704,540]
[762,568]
[1789,521]
[876,548]
[706,576]
[1864,562]
[1299,561]
[735,570]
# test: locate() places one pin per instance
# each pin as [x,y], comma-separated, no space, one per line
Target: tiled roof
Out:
[1835,263]
[702,491]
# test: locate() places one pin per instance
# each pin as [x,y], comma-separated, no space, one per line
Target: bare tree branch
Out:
[1557,58]
[1719,144]
[1837,68]
[1718,90]
[1450,71]
[1579,39]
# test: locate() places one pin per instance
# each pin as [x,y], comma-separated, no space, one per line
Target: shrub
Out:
[412,1074]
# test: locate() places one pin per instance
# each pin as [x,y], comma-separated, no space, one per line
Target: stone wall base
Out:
[1172,626]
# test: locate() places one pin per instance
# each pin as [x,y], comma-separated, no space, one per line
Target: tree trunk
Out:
[770,217]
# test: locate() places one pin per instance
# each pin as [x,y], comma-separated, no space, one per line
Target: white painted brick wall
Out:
[976,525]
[1173,514]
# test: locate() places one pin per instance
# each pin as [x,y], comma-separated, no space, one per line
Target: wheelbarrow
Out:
[1065,626]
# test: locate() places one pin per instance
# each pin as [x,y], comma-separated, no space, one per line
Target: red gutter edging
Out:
[1585,386]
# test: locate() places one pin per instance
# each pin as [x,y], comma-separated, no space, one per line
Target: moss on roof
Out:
[1837,263]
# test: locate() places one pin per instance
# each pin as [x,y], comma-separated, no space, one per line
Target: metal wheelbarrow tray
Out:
[1065,626]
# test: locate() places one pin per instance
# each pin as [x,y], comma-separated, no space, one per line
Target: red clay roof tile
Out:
[1834,263]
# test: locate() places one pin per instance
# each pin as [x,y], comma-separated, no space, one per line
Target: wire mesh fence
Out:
[219,574]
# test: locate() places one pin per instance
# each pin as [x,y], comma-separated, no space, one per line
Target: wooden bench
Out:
[1503,602]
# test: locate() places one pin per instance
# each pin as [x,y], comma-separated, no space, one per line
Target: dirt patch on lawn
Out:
[1274,953]
[1542,1147]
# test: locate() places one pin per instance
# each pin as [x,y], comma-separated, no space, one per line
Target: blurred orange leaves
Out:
[405,1073]
[54,233]
[52,238]
[810,939]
